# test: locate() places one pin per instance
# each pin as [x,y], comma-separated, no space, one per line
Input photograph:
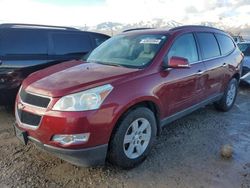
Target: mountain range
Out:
[113,28]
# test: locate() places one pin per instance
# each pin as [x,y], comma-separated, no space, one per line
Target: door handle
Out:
[224,65]
[200,72]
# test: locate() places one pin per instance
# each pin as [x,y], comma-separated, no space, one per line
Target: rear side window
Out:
[67,43]
[20,42]
[99,39]
[209,45]
[185,47]
[226,44]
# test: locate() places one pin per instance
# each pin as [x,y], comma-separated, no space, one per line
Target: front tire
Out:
[133,138]
[229,96]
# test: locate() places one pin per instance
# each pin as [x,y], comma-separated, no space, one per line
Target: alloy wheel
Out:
[231,95]
[137,138]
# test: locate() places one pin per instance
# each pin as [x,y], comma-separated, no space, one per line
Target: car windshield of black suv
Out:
[133,51]
[245,48]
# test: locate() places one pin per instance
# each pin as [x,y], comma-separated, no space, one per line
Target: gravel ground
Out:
[187,154]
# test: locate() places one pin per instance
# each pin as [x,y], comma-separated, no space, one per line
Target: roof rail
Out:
[135,29]
[21,25]
[193,26]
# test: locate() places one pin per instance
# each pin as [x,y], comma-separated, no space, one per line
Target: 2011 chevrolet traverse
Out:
[114,106]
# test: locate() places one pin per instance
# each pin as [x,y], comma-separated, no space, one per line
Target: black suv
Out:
[26,48]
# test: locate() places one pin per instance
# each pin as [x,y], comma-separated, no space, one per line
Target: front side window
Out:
[185,47]
[71,43]
[133,51]
[209,45]
[99,39]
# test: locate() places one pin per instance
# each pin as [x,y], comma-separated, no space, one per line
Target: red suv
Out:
[114,105]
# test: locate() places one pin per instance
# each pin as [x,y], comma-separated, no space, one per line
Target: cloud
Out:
[191,9]
[232,12]
[31,11]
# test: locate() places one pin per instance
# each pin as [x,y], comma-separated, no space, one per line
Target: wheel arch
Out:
[149,103]
[237,76]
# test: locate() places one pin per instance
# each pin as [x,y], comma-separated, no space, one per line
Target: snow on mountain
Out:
[112,28]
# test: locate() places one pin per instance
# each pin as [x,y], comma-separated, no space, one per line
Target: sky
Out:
[92,12]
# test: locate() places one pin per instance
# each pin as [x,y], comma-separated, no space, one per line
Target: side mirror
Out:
[177,63]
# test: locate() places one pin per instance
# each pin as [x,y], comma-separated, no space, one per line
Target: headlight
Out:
[86,100]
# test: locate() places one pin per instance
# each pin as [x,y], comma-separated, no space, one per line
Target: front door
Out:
[183,88]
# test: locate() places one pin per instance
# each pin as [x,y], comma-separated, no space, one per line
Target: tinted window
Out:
[226,44]
[209,45]
[23,42]
[67,43]
[99,39]
[185,47]
[245,48]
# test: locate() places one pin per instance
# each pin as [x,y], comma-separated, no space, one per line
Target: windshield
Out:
[245,48]
[135,51]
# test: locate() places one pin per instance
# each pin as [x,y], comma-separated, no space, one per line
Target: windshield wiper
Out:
[112,64]
[107,63]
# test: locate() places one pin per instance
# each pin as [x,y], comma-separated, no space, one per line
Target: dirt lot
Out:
[187,154]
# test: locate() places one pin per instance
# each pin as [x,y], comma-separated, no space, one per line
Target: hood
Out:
[73,76]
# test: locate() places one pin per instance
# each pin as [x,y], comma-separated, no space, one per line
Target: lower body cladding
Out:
[81,157]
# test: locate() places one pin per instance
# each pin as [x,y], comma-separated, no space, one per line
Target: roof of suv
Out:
[35,26]
[174,30]
[42,27]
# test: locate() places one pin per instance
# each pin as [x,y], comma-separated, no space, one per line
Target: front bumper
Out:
[81,157]
[48,123]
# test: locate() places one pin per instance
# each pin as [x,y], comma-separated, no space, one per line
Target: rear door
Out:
[211,57]
[227,47]
[186,87]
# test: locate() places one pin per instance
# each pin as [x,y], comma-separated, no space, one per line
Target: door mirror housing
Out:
[177,63]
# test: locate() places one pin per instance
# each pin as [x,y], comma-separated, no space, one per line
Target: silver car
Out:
[245,48]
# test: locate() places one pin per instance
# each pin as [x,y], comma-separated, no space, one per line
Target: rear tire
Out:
[229,96]
[133,138]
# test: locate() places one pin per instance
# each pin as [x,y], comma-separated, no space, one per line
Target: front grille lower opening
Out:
[29,118]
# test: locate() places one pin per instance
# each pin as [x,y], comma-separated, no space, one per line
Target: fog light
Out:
[71,138]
